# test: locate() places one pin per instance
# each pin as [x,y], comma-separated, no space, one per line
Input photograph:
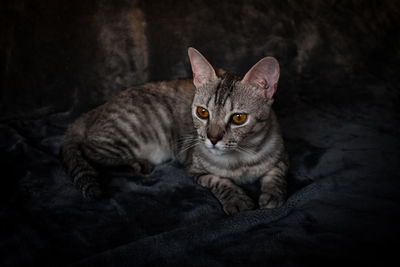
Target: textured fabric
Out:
[337,102]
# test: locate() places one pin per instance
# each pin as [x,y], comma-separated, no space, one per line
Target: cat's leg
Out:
[142,166]
[273,187]
[231,196]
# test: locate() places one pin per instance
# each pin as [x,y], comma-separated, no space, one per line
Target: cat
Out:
[220,125]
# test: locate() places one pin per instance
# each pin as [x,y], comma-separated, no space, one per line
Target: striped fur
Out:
[156,122]
[137,128]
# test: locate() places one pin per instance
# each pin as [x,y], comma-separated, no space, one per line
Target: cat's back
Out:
[167,97]
[179,91]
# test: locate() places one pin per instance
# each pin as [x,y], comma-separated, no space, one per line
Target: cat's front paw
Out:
[142,166]
[237,203]
[270,201]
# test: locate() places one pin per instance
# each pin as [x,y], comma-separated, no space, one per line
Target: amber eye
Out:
[239,118]
[202,112]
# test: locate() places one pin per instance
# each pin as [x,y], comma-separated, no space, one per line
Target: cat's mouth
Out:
[217,149]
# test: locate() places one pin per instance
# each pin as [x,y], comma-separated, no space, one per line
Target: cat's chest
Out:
[236,170]
[240,174]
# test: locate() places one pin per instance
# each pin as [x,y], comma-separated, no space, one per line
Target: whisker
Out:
[186,142]
[246,150]
[186,139]
[188,147]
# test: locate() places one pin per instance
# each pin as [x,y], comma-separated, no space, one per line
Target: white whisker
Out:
[186,142]
[246,150]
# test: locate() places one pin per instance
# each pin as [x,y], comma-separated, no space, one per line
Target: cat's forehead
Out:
[227,88]
[227,93]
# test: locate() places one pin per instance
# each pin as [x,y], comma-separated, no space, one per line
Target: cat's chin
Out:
[216,151]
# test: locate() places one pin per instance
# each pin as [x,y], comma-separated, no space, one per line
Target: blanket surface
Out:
[337,103]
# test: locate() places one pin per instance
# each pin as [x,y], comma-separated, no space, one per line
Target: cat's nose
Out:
[214,139]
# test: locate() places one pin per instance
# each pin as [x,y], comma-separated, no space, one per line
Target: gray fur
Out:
[155,122]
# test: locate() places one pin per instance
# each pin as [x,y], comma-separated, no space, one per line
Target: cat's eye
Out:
[202,112]
[239,118]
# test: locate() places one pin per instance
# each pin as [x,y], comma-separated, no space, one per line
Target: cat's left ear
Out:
[264,74]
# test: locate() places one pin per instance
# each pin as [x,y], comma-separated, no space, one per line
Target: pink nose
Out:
[213,140]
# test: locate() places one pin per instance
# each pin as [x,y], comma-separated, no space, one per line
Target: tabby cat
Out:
[222,129]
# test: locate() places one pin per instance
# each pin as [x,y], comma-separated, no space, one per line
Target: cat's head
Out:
[230,111]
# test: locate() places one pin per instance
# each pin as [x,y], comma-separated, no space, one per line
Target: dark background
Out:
[337,102]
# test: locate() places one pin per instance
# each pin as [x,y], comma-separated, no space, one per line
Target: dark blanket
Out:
[337,102]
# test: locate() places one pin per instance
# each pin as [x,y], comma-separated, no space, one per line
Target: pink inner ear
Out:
[264,74]
[198,79]
[199,73]
[202,69]
[263,83]
[195,78]
[268,92]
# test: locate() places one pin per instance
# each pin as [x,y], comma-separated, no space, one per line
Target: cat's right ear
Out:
[203,72]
